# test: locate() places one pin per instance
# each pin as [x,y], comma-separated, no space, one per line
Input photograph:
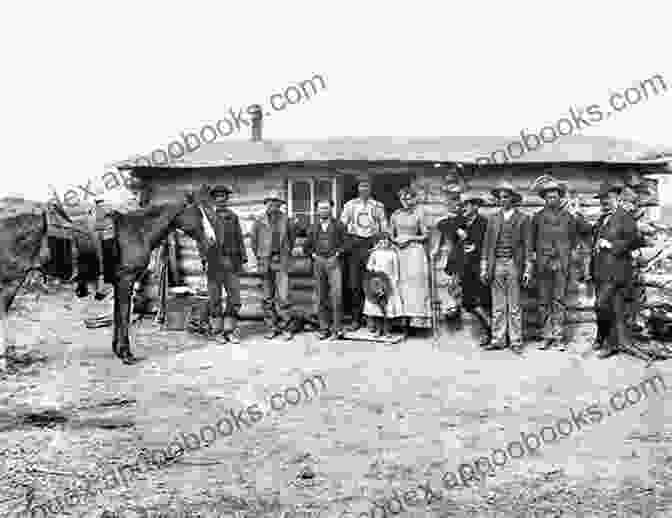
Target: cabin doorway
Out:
[384,188]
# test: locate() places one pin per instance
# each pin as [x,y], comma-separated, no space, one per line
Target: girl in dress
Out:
[384,258]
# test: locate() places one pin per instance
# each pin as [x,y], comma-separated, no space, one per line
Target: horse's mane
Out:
[142,214]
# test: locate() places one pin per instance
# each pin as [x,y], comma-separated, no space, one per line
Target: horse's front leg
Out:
[4,327]
[122,315]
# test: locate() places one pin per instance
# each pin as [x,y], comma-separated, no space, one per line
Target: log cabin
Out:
[310,170]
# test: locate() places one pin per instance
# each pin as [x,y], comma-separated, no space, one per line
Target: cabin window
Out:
[304,194]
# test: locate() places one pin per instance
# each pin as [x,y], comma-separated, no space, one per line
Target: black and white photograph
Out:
[338,260]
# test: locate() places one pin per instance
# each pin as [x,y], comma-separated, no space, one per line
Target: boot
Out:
[486,330]
[127,356]
[387,328]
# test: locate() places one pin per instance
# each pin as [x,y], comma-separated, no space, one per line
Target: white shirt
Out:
[507,214]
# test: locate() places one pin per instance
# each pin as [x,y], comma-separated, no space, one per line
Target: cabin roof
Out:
[464,149]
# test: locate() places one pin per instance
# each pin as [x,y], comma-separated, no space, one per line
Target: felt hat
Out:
[608,187]
[546,183]
[275,196]
[506,186]
[218,190]
[471,197]
[453,190]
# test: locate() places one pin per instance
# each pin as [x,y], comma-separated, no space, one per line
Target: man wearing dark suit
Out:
[554,234]
[476,296]
[325,245]
[614,237]
[504,263]
[225,263]
[272,244]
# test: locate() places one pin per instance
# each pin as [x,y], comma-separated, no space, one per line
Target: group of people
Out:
[489,261]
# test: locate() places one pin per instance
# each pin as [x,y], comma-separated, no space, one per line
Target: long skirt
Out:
[414,285]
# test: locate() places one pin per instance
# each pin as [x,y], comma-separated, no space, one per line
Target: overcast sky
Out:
[85,84]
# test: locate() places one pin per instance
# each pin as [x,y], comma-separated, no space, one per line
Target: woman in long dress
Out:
[409,233]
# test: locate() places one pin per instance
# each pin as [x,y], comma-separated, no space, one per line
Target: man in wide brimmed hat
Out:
[272,244]
[363,218]
[225,264]
[555,232]
[636,298]
[504,264]
[615,236]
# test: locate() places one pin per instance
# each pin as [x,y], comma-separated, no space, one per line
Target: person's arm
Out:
[346,216]
[485,247]
[172,258]
[340,238]
[533,236]
[528,246]
[238,237]
[395,268]
[309,245]
[254,239]
[291,234]
[382,217]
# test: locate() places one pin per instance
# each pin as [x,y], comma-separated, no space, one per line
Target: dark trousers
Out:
[357,258]
[552,286]
[474,293]
[610,312]
[329,279]
[277,309]
[231,283]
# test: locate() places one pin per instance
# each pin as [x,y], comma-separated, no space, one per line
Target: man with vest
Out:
[364,218]
[272,244]
[225,263]
[504,263]
[554,234]
[325,245]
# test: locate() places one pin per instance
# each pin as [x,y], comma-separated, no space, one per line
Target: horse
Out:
[24,247]
[137,234]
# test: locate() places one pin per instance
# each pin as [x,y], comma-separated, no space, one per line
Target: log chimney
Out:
[256,114]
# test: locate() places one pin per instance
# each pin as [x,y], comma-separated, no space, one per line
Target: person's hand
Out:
[485,278]
[461,233]
[469,248]
[604,243]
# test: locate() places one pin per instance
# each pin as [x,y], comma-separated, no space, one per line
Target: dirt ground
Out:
[390,417]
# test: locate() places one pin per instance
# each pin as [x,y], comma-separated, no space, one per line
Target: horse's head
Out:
[197,218]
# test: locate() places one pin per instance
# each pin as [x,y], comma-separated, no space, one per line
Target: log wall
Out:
[252,184]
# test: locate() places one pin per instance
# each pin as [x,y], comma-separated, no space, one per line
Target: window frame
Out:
[312,182]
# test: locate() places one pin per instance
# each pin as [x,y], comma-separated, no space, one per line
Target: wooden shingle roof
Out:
[399,149]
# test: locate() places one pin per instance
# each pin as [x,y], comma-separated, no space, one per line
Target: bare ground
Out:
[390,417]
